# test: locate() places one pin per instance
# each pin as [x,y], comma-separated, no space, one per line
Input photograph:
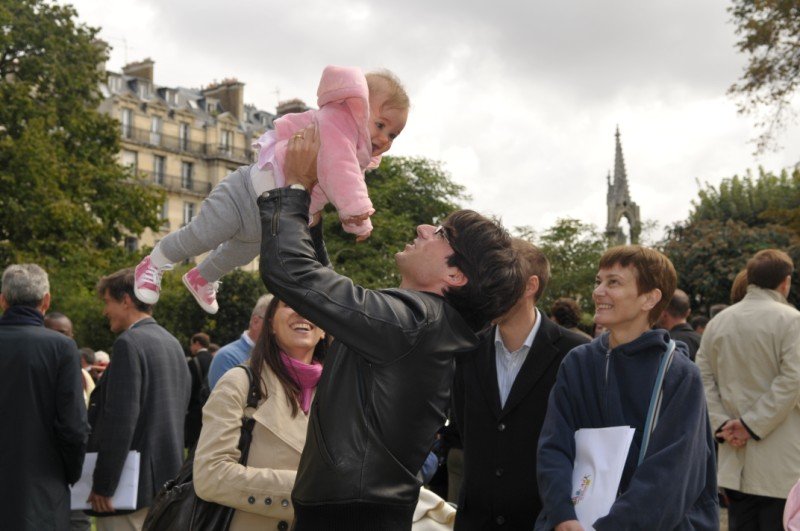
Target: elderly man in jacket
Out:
[385,386]
[749,359]
[41,400]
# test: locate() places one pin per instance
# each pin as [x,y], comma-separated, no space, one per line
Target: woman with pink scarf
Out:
[287,358]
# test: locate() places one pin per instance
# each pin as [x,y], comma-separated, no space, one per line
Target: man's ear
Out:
[3,302]
[45,305]
[455,278]
[532,286]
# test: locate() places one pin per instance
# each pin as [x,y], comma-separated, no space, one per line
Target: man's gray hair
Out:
[260,309]
[25,285]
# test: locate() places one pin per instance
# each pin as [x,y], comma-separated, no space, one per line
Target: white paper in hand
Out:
[600,455]
[127,491]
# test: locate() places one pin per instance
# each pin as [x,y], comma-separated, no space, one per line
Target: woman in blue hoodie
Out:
[609,382]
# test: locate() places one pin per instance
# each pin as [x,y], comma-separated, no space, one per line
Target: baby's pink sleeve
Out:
[340,175]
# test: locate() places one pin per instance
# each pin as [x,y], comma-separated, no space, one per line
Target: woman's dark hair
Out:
[267,352]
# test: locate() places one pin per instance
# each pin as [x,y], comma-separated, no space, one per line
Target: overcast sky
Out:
[519,100]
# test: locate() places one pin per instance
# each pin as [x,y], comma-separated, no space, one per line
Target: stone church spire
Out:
[619,201]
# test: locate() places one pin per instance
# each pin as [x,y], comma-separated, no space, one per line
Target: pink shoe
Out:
[147,281]
[205,293]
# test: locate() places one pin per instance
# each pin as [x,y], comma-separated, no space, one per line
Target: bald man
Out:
[674,317]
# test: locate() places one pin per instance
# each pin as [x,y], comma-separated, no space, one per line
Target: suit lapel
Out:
[275,414]
[486,372]
[539,359]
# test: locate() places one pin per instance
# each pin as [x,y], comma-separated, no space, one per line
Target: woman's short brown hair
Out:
[653,271]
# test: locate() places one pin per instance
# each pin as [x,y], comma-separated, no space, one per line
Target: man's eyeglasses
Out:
[442,232]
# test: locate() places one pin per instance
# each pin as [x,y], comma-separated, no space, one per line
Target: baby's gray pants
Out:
[228,225]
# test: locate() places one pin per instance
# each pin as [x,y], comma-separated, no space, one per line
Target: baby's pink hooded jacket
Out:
[345,145]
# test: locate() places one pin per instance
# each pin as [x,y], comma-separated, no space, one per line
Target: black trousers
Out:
[749,512]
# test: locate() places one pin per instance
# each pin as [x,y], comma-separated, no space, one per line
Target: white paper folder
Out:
[127,491]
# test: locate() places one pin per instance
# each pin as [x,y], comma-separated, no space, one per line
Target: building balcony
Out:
[177,183]
[150,138]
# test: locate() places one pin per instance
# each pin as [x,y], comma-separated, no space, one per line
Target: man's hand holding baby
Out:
[300,166]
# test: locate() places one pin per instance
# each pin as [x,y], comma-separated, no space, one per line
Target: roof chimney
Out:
[142,69]
[230,93]
[291,106]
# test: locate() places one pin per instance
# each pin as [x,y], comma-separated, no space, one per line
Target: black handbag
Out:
[178,508]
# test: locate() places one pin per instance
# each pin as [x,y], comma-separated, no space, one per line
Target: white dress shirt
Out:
[509,363]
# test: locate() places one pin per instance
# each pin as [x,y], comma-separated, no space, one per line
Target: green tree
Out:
[406,192]
[708,254]
[766,199]
[178,312]
[769,33]
[65,202]
[574,249]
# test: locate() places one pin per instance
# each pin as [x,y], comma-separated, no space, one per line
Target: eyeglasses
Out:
[442,232]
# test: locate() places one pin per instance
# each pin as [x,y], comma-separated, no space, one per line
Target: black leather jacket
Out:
[386,384]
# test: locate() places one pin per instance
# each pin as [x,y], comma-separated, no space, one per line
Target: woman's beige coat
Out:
[261,491]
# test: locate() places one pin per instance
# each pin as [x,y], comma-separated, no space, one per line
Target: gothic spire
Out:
[620,175]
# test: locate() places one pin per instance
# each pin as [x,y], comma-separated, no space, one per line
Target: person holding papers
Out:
[668,479]
[139,405]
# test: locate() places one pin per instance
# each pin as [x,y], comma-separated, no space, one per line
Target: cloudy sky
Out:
[518,99]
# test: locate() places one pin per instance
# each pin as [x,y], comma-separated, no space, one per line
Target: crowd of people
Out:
[337,403]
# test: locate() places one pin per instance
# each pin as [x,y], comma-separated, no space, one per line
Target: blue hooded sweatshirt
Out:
[675,487]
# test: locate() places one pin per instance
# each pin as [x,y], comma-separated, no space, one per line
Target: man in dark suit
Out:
[139,404]
[199,361]
[674,317]
[500,397]
[41,401]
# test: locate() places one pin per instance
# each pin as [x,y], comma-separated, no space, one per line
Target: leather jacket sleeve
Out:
[381,326]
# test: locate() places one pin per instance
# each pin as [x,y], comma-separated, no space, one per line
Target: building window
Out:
[130,159]
[186,175]
[164,215]
[131,244]
[158,169]
[155,130]
[226,142]
[143,89]
[126,116]
[188,213]
[183,136]
[114,84]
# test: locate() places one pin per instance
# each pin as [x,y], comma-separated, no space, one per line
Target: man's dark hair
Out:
[88,355]
[201,338]
[699,321]
[532,262]
[768,268]
[566,312]
[716,308]
[482,250]
[119,284]
[213,347]
[679,305]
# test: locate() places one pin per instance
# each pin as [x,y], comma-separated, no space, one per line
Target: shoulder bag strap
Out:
[246,435]
[655,399]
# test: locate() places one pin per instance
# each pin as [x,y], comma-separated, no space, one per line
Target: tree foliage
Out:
[405,192]
[767,199]
[769,33]
[574,249]
[708,254]
[65,202]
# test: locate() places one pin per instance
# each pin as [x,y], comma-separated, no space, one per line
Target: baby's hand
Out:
[356,220]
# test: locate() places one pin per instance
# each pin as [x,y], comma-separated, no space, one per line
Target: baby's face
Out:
[385,123]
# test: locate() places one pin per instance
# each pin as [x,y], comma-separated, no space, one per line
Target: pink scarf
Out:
[306,376]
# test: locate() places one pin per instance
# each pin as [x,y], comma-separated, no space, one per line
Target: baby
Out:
[358,119]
